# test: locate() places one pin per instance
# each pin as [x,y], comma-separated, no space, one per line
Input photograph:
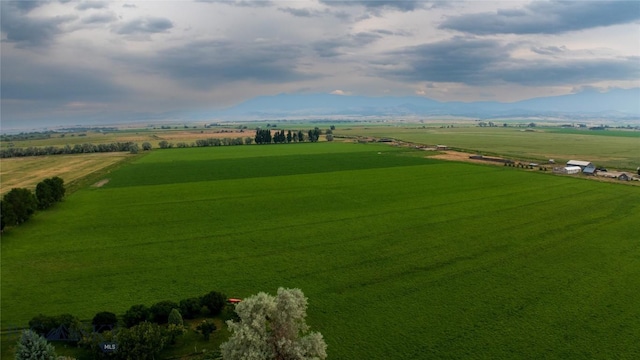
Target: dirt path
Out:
[100,183]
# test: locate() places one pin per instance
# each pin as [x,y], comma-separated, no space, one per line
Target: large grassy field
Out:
[401,256]
[611,148]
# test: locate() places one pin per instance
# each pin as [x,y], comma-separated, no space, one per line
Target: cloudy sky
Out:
[70,62]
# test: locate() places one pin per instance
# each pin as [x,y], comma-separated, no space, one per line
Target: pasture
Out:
[611,148]
[401,256]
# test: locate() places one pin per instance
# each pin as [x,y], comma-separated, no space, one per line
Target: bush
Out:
[104,321]
[160,311]
[205,328]
[32,346]
[214,301]
[190,308]
[175,318]
[43,324]
[136,314]
[143,341]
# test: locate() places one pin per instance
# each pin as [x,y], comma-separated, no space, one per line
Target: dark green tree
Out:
[136,314]
[160,311]
[206,328]
[190,308]
[141,342]
[214,301]
[289,136]
[44,194]
[300,136]
[104,321]
[146,146]
[20,204]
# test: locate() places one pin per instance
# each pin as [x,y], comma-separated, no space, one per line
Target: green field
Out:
[612,148]
[401,256]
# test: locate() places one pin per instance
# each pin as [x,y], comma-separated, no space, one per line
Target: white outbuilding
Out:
[571,169]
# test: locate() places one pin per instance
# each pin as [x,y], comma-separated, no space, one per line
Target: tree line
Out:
[19,204]
[140,333]
[264,136]
[263,326]
[75,149]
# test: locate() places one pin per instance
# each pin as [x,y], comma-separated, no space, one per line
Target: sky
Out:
[91,61]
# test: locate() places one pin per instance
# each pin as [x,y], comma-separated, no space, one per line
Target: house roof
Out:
[578,163]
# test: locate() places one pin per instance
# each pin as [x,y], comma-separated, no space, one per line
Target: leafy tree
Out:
[160,311]
[134,148]
[329,137]
[136,314]
[141,342]
[44,195]
[20,204]
[175,317]
[190,308]
[103,321]
[300,136]
[173,331]
[146,146]
[57,188]
[214,301]
[43,324]
[32,346]
[206,328]
[164,144]
[289,136]
[332,127]
[273,327]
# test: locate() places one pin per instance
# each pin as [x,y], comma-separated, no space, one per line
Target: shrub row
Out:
[19,204]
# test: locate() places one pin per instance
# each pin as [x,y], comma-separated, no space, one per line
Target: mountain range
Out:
[587,104]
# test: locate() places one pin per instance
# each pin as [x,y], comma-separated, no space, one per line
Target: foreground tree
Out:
[32,346]
[143,341]
[273,327]
[17,206]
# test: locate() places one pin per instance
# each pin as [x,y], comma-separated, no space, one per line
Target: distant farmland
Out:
[401,256]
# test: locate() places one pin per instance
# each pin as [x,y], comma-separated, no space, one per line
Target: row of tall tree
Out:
[75,149]
[264,136]
[19,204]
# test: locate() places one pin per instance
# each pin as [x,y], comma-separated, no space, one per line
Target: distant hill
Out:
[617,103]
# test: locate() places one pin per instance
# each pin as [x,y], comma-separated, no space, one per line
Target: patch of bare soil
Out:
[462,156]
[100,183]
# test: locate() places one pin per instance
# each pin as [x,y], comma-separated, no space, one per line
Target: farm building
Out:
[585,166]
[615,175]
[571,170]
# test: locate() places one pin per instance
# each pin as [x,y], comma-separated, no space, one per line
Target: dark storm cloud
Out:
[144,25]
[207,64]
[402,5]
[549,50]
[456,60]
[547,17]
[86,5]
[28,80]
[301,12]
[487,62]
[99,18]
[567,72]
[340,45]
[23,30]
[241,3]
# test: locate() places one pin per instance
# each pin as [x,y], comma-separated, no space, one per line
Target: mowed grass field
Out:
[401,256]
[610,148]
[27,172]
